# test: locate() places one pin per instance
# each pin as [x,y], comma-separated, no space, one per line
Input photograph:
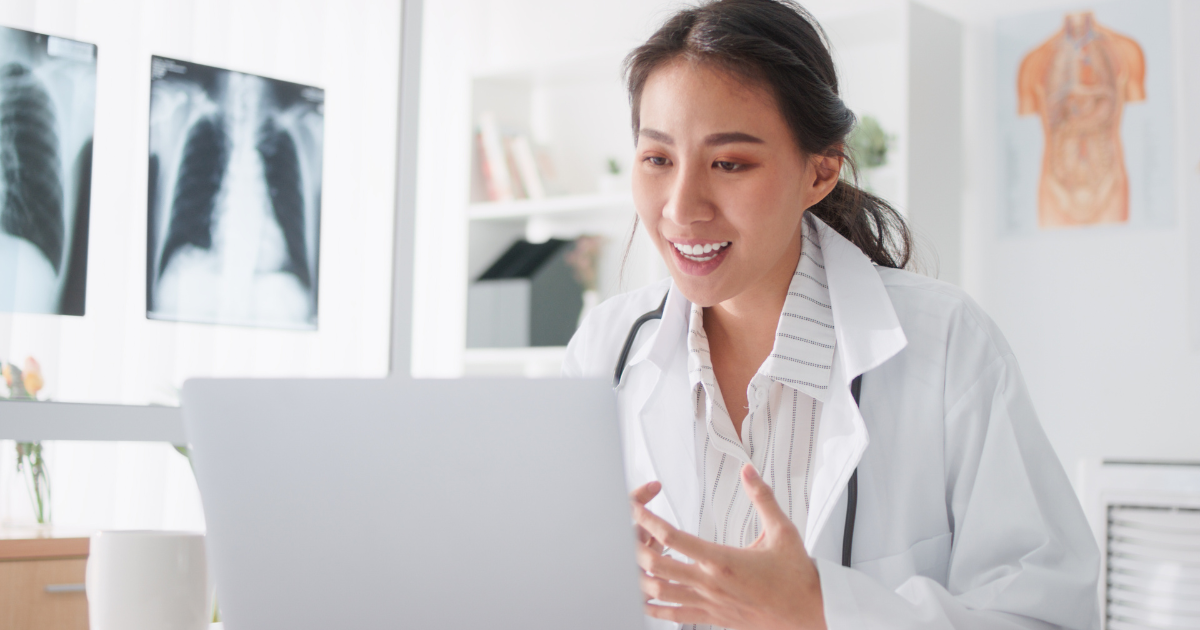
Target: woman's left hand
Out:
[770,584]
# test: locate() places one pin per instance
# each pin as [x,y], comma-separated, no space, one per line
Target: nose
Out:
[689,200]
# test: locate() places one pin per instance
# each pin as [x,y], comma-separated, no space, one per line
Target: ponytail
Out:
[869,222]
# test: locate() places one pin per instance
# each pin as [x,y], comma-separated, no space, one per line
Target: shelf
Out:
[525,208]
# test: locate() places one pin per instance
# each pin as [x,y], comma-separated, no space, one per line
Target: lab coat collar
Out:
[671,329]
[661,398]
[868,333]
[867,328]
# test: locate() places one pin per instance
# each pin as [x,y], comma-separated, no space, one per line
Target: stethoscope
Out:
[855,388]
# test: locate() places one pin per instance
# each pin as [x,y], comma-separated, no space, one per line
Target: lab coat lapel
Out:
[665,414]
[868,333]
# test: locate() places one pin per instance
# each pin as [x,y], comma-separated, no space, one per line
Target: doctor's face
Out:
[719,182]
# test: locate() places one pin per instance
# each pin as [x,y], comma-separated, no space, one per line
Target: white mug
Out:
[147,580]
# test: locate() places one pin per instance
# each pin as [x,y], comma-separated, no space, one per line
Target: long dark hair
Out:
[778,44]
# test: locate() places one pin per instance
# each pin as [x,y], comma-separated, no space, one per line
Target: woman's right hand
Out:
[639,498]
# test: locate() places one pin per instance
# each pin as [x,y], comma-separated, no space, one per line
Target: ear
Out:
[824,171]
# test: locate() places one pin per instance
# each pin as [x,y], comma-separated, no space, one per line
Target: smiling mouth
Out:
[701,253]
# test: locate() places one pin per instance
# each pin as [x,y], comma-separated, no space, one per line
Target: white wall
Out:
[1097,317]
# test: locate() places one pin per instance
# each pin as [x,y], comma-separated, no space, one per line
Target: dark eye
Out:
[657,161]
[728,167]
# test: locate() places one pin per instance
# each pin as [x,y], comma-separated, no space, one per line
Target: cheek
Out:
[762,207]
[764,220]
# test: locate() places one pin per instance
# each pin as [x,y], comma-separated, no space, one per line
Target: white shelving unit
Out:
[575,111]
[576,114]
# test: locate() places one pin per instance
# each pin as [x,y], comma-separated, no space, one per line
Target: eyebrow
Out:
[712,140]
[731,137]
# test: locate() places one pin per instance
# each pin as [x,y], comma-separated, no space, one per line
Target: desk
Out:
[41,581]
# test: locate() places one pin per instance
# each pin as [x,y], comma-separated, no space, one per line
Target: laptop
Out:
[400,503]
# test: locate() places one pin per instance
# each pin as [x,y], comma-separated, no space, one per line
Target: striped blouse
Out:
[784,397]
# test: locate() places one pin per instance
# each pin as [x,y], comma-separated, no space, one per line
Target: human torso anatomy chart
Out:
[1078,82]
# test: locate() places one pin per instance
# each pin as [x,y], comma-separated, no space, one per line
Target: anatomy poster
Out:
[47,115]
[1085,118]
[234,197]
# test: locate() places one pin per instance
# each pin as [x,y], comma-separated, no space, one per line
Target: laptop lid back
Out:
[405,503]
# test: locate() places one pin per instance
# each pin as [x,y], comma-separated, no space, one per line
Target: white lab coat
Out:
[965,516]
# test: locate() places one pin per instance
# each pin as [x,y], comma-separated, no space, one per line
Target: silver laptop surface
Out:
[404,503]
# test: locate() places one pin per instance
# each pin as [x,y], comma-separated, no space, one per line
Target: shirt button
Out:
[761,394]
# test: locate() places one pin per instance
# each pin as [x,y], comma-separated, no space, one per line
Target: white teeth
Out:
[699,253]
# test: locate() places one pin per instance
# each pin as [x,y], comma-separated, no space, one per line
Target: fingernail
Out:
[750,472]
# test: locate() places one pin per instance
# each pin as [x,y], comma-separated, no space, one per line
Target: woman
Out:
[786,285]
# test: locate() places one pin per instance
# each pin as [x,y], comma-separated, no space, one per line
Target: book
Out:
[526,166]
[492,157]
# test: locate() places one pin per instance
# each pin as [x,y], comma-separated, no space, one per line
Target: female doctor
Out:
[765,497]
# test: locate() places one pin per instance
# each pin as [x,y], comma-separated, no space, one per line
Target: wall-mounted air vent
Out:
[1153,568]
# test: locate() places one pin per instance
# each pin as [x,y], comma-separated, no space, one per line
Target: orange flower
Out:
[33,376]
[7,375]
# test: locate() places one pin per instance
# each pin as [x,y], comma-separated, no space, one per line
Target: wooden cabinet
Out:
[41,584]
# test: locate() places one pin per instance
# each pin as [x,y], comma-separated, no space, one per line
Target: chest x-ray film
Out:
[47,115]
[234,197]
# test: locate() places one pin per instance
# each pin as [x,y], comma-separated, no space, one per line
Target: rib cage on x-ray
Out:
[229,150]
[33,194]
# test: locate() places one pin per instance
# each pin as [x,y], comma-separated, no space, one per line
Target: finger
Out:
[681,614]
[672,592]
[687,544]
[669,568]
[645,492]
[764,501]
[646,539]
